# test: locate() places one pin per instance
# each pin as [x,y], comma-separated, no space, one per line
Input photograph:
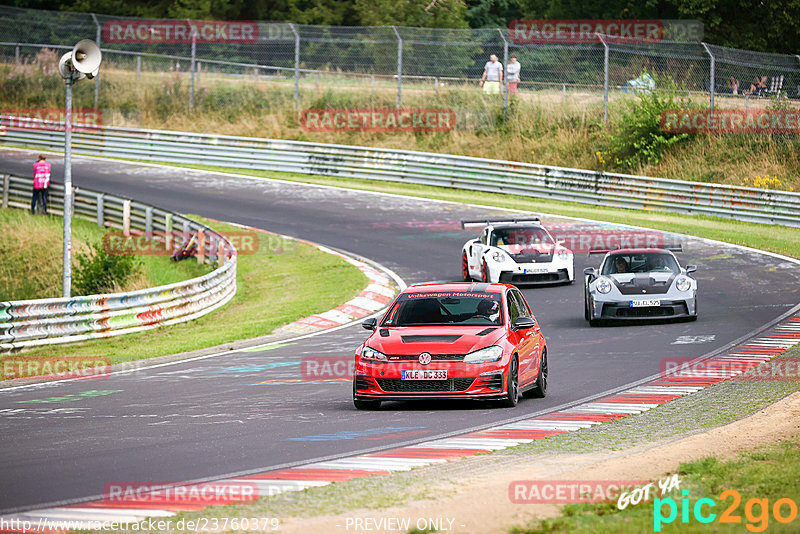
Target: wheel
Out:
[512,394]
[362,404]
[539,391]
[484,273]
[465,268]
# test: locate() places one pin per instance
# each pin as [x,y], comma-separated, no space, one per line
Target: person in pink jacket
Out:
[41,183]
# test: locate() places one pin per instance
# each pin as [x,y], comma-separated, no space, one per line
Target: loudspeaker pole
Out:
[66,278]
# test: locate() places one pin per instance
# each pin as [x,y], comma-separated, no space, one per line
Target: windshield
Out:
[641,263]
[462,309]
[523,240]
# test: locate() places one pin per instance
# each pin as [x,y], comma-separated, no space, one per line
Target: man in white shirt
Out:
[492,76]
[512,74]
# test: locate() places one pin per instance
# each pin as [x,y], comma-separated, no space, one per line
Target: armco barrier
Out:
[462,172]
[30,323]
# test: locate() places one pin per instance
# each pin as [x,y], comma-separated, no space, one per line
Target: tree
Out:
[416,13]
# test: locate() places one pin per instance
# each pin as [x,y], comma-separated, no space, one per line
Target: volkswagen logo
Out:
[425,358]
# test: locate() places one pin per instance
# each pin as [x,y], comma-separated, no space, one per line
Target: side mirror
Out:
[370,324]
[523,323]
[691,268]
[590,271]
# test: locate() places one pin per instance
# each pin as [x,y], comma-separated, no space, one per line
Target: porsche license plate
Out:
[645,303]
[535,270]
[424,374]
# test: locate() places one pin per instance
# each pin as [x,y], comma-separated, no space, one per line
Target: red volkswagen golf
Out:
[454,341]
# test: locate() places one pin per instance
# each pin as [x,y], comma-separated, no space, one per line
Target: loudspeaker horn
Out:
[86,57]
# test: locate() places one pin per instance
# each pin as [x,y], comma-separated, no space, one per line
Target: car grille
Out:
[660,311]
[364,382]
[490,382]
[416,386]
[434,357]
[513,278]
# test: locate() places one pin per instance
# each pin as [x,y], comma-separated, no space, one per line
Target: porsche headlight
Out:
[683,284]
[563,254]
[489,354]
[498,256]
[373,355]
[603,285]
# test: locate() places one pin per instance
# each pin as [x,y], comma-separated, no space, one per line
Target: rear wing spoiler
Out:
[486,222]
[671,248]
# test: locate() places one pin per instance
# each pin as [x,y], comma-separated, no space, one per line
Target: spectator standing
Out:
[41,183]
[512,74]
[492,76]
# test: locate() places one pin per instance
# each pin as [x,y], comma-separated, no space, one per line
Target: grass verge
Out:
[760,478]
[319,282]
[31,257]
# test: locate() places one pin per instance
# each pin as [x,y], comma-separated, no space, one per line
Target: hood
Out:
[448,341]
[530,253]
[643,283]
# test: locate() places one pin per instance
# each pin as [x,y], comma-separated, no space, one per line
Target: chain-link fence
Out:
[322,66]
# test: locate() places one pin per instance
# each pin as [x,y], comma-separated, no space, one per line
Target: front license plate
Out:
[541,270]
[645,303]
[424,374]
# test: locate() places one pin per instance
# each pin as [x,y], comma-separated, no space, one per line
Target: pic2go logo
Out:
[756,511]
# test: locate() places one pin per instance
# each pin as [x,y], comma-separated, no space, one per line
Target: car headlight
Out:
[498,256]
[683,284]
[489,354]
[563,254]
[373,355]
[603,285]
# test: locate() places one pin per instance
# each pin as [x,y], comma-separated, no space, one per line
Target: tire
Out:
[592,322]
[362,404]
[484,273]
[465,268]
[585,306]
[512,384]
[539,391]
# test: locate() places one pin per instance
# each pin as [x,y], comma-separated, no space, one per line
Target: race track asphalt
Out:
[247,411]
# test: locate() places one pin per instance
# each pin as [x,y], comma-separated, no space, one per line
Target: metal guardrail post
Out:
[168,231]
[99,44]
[16,55]
[100,210]
[605,77]
[126,217]
[201,247]
[399,67]
[712,82]
[148,222]
[6,185]
[296,63]
[505,65]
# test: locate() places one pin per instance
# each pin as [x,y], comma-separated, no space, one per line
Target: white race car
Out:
[515,252]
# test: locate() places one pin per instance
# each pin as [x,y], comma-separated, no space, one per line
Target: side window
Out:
[523,308]
[513,308]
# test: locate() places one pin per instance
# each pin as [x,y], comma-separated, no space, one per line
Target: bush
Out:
[101,272]
[638,139]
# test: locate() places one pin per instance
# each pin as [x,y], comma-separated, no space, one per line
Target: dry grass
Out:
[545,126]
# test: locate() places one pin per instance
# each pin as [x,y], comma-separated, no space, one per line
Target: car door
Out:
[530,345]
